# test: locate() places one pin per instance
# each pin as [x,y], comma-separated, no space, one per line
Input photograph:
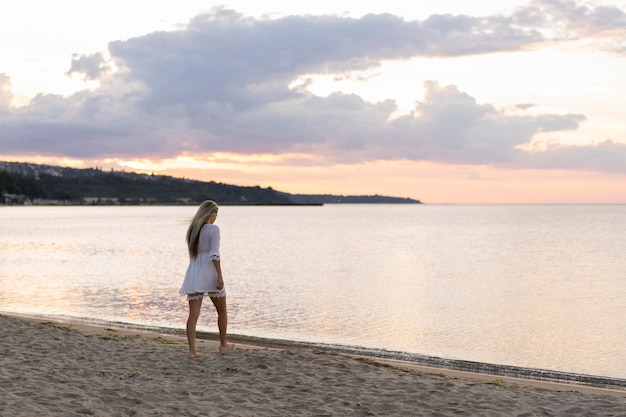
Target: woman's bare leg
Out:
[222,322]
[194,313]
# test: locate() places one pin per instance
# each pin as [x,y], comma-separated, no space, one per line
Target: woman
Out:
[204,273]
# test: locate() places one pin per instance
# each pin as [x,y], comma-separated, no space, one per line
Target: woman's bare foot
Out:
[227,347]
[192,355]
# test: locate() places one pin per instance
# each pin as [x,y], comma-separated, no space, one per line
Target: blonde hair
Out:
[205,210]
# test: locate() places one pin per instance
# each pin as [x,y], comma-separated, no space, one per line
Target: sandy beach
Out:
[52,368]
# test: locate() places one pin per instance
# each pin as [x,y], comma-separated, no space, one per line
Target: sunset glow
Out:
[497,102]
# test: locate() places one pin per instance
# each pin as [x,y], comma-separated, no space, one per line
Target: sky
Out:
[447,102]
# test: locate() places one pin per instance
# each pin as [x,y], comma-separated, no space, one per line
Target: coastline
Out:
[52,367]
[512,373]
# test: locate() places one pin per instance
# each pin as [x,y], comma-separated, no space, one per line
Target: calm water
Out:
[532,286]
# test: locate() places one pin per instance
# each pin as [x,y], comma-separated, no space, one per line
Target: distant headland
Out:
[34,184]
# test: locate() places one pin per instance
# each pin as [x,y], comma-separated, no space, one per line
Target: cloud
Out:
[561,20]
[221,84]
[606,156]
[450,126]
[571,16]
[91,67]
[5,91]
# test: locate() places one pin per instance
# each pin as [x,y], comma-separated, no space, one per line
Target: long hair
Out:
[205,210]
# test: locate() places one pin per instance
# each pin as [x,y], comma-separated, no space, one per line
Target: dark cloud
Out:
[222,84]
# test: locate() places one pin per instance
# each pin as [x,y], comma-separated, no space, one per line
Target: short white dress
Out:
[201,275]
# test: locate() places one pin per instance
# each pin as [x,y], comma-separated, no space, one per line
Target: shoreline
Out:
[544,378]
[50,367]
[479,370]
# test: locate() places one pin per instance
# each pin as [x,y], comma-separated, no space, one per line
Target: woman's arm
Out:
[220,280]
[215,255]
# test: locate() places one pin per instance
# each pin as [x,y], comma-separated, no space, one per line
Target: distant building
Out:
[15,199]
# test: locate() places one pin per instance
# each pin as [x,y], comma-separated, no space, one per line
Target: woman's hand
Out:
[220,283]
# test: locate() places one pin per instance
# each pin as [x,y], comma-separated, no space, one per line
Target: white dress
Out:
[201,275]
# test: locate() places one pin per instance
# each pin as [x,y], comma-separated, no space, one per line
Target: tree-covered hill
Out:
[94,186]
[45,184]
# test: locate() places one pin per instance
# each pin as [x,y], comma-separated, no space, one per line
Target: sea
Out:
[529,286]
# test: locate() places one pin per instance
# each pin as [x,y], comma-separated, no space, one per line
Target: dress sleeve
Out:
[214,250]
